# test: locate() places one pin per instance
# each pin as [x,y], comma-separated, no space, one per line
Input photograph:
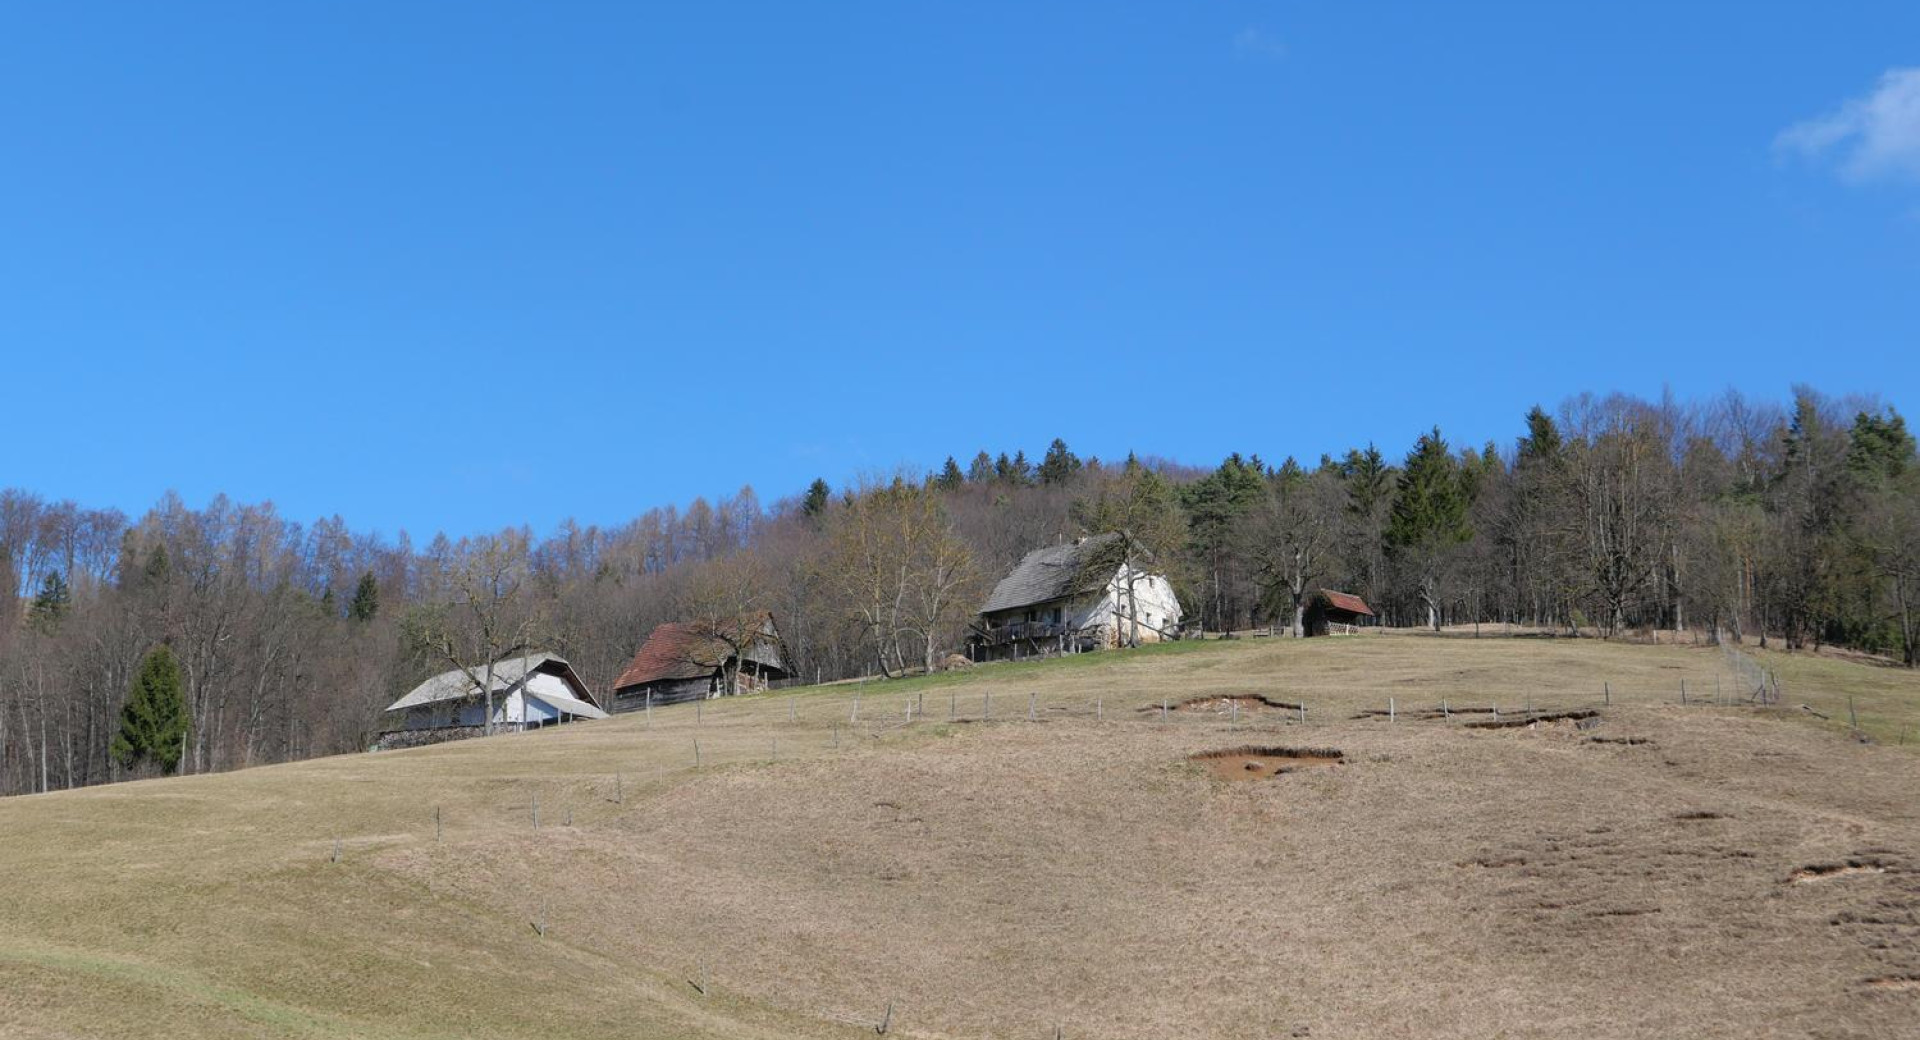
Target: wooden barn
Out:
[1066,599]
[689,660]
[529,692]
[1336,613]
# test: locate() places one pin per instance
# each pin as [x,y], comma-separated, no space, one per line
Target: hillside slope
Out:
[1654,870]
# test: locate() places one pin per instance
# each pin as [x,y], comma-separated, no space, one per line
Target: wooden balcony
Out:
[1021,632]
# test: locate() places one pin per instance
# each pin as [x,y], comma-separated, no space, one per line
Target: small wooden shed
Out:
[1336,613]
[689,660]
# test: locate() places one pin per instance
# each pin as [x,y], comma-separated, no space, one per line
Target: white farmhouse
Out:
[1064,599]
[529,692]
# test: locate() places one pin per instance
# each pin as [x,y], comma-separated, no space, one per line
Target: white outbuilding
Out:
[529,691]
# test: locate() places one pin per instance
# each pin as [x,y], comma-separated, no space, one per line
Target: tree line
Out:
[193,640]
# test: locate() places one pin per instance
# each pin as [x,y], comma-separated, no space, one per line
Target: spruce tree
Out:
[816,501]
[1542,442]
[366,599]
[1020,471]
[1429,516]
[50,605]
[981,470]
[153,722]
[950,477]
[1060,465]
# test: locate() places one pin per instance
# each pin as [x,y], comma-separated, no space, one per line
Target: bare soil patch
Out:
[1512,721]
[1836,871]
[1895,983]
[1259,763]
[1236,704]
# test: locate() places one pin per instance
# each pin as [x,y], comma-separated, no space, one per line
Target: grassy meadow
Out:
[791,865]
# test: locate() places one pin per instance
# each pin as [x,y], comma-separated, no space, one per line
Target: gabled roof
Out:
[454,685]
[690,650]
[1346,601]
[1054,572]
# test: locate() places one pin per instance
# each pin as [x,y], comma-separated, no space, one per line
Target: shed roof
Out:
[568,704]
[1346,601]
[454,684]
[690,650]
[1050,573]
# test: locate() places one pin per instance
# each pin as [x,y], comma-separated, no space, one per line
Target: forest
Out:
[1795,524]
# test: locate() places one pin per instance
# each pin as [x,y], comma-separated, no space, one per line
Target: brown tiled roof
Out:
[1347,602]
[687,650]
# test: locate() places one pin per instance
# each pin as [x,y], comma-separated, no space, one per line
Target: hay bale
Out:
[956,662]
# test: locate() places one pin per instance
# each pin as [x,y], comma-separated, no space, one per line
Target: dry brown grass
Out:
[1642,876]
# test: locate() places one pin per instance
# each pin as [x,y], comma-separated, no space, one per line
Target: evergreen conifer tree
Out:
[366,599]
[1020,471]
[950,477]
[50,604]
[153,722]
[1060,464]
[816,501]
[1429,516]
[981,470]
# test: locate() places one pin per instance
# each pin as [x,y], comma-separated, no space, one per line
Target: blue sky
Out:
[455,266]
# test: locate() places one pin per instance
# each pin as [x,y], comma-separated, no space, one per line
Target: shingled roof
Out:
[689,650]
[1048,574]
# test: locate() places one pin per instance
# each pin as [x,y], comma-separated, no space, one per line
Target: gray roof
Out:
[455,686]
[1047,574]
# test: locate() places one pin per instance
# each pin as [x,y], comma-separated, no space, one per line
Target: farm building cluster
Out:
[1097,593]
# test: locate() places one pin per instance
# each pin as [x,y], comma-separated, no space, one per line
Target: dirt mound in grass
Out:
[1234,704]
[1258,763]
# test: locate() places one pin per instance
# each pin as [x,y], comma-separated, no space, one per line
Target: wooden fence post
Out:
[886,1020]
[696,752]
[536,810]
[436,823]
[336,850]
[1393,713]
[649,709]
[1606,690]
[1032,702]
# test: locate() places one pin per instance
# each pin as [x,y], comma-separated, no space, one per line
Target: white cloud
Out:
[1259,43]
[1869,137]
